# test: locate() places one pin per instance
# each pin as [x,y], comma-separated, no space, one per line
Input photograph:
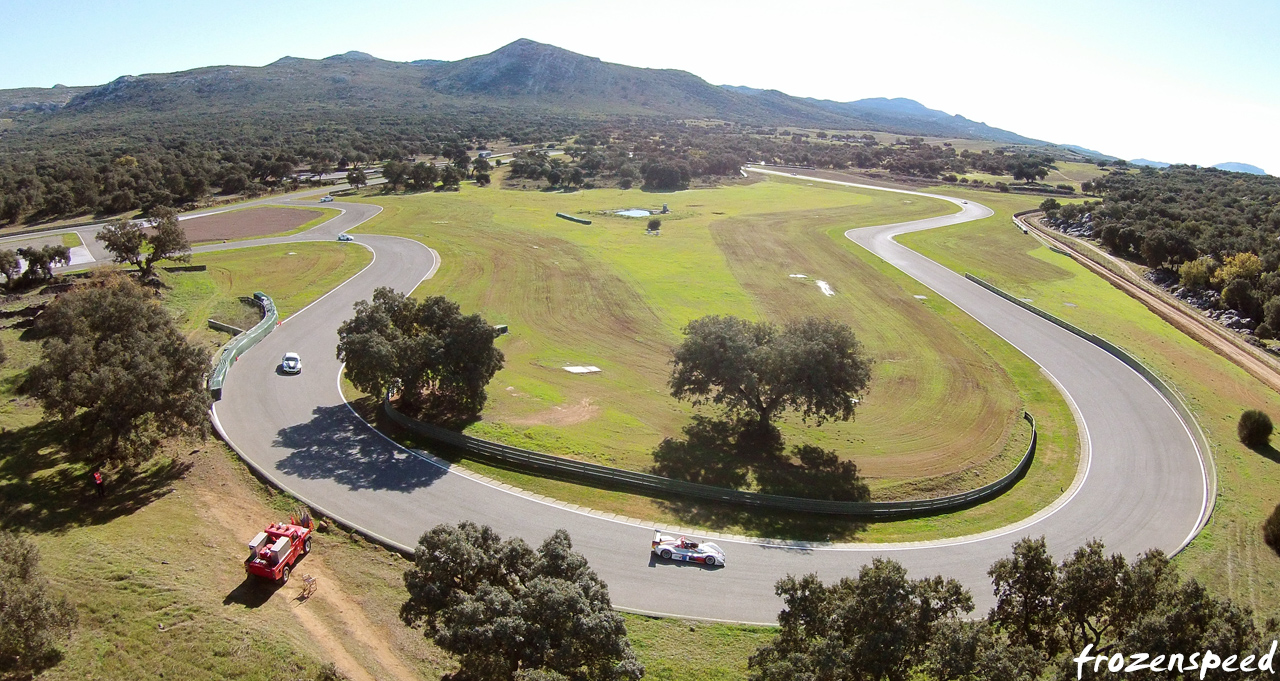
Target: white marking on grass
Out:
[826,288]
[798,276]
[582,370]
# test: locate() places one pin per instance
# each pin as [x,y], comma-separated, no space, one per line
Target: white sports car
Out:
[291,364]
[671,548]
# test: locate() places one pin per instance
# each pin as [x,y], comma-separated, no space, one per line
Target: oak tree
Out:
[507,611]
[117,370]
[10,267]
[33,618]
[877,626]
[814,366]
[42,259]
[130,242]
[433,354]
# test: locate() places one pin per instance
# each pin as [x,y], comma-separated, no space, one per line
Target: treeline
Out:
[672,156]
[505,610]
[1216,229]
[1087,616]
[96,166]
[93,167]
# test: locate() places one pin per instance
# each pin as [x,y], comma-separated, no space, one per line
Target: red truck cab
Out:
[273,552]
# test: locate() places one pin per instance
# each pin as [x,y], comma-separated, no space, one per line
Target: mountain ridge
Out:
[524,74]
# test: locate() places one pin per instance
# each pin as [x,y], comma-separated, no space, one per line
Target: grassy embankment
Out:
[154,569]
[1065,172]
[1229,555]
[942,414]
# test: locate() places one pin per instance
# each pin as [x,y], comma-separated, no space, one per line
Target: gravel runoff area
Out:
[240,224]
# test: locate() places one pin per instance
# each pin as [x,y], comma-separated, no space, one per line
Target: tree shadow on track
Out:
[336,445]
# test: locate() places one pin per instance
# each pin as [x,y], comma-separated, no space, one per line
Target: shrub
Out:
[1254,428]
[1271,530]
[330,672]
[654,225]
[34,620]
[1197,273]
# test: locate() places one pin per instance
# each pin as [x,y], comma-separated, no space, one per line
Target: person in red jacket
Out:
[100,483]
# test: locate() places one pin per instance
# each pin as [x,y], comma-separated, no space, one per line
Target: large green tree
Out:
[117,371]
[814,366]
[423,175]
[434,355]
[31,619]
[9,266]
[1024,587]
[509,612]
[874,627]
[884,627]
[42,259]
[356,178]
[145,243]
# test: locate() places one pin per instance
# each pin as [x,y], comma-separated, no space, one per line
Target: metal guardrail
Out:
[595,474]
[238,345]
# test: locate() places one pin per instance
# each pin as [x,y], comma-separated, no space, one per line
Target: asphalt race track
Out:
[1142,482]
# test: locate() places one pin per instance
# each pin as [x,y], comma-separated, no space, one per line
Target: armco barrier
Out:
[590,473]
[1169,394]
[243,342]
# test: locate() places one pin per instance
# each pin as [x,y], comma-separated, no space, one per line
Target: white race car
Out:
[671,548]
[291,364]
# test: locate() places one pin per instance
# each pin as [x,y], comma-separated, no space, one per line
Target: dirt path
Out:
[230,507]
[1204,331]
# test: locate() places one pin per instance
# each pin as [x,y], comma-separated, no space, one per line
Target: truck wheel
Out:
[666,554]
[306,546]
[284,577]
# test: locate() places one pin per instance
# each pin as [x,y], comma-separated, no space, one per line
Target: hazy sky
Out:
[1178,81]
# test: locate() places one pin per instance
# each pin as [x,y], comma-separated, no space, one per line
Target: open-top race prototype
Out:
[672,548]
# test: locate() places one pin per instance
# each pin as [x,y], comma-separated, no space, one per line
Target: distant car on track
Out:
[291,364]
[671,548]
[965,202]
[345,237]
[326,199]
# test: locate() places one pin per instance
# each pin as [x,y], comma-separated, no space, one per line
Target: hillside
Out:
[522,80]
[1241,168]
[908,115]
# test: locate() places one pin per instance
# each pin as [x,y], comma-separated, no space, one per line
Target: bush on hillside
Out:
[1271,530]
[33,619]
[1254,428]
